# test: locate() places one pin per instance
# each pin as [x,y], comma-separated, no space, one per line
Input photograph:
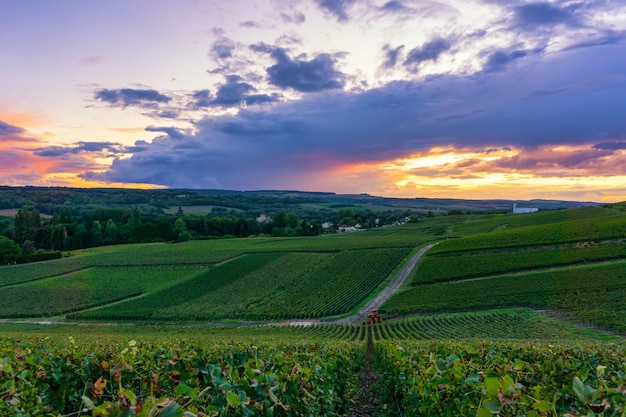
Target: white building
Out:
[264,218]
[520,210]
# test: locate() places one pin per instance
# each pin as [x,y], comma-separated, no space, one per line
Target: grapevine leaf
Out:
[233,400]
[542,406]
[172,410]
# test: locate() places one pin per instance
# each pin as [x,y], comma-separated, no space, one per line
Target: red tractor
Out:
[374,317]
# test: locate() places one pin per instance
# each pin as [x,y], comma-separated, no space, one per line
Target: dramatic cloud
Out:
[394,6]
[296,140]
[610,145]
[545,14]
[317,74]
[430,51]
[10,133]
[608,38]
[385,96]
[223,48]
[7,130]
[337,8]
[233,93]
[131,97]
[391,55]
[80,147]
[172,132]
[498,60]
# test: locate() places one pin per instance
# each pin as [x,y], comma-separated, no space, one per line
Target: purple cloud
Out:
[294,141]
[315,75]
[545,14]
[131,97]
[80,147]
[430,51]
[337,8]
[234,92]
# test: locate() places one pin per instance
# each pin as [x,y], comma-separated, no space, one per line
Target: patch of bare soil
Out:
[366,402]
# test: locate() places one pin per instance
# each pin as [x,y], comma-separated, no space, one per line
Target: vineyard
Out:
[506,315]
[311,370]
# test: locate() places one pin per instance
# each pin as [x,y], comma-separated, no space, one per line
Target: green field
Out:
[507,315]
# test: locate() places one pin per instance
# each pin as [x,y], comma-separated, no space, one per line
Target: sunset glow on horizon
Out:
[405,98]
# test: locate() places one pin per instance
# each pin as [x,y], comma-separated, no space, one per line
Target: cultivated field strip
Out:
[261,286]
[596,293]
[601,228]
[52,377]
[86,288]
[505,379]
[451,267]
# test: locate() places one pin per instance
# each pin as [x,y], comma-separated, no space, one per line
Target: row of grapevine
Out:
[44,377]
[442,268]
[265,286]
[603,228]
[589,291]
[83,289]
[486,379]
[145,308]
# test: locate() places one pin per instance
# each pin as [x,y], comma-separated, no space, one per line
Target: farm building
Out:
[520,210]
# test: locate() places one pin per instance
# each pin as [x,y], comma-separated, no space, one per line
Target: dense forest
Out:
[38,223]
[35,221]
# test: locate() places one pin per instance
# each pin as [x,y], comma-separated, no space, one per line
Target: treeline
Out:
[31,236]
[54,219]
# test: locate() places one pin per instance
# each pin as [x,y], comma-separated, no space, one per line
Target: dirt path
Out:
[394,285]
[366,403]
[373,304]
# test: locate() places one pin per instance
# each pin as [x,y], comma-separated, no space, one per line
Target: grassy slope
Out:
[185,260]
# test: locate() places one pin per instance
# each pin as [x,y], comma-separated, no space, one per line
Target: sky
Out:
[474,99]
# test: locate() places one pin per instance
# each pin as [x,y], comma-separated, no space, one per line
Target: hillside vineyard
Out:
[508,314]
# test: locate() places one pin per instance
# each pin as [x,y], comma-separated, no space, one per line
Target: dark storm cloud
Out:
[234,92]
[317,74]
[391,55]
[202,98]
[393,6]
[131,97]
[499,60]
[430,51]
[292,142]
[610,145]
[8,131]
[80,147]
[545,14]
[172,132]
[609,38]
[337,8]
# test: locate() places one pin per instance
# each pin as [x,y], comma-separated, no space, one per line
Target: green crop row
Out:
[603,228]
[483,380]
[85,288]
[148,307]
[29,272]
[266,286]
[591,292]
[41,377]
[442,268]
[484,223]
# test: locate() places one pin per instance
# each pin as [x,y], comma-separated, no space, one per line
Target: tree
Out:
[180,230]
[97,233]
[9,250]
[26,222]
[110,231]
